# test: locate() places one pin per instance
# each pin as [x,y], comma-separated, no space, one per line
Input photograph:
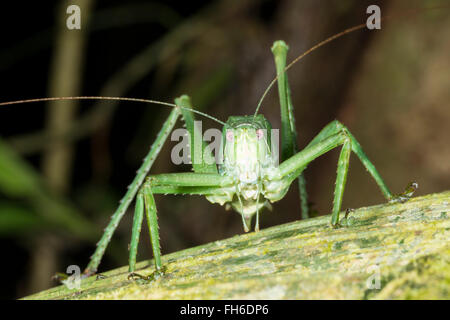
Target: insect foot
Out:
[100,277]
[348,221]
[406,195]
[153,276]
[59,277]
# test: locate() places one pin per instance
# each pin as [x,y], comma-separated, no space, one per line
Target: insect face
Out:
[246,148]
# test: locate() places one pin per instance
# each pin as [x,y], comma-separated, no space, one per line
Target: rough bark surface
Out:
[388,251]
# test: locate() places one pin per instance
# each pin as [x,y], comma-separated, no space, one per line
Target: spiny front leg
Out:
[136,231]
[208,184]
[133,189]
[152,220]
[145,202]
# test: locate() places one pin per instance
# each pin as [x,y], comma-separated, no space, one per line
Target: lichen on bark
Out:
[387,251]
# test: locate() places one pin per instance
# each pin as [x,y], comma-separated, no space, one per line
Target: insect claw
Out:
[100,277]
[347,221]
[136,276]
[59,277]
[158,273]
[337,225]
[348,211]
[406,195]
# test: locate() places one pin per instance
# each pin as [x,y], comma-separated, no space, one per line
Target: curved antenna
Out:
[166,104]
[338,35]
[320,44]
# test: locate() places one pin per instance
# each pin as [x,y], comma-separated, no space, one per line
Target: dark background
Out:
[390,87]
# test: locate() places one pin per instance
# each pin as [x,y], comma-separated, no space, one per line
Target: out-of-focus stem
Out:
[64,79]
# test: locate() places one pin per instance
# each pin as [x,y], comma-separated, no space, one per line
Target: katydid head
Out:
[246,147]
[249,159]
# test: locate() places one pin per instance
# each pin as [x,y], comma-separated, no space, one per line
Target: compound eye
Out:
[229,135]
[260,133]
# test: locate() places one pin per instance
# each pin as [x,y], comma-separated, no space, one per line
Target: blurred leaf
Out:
[16,219]
[16,177]
[19,180]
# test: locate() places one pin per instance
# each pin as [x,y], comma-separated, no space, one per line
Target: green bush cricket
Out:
[248,179]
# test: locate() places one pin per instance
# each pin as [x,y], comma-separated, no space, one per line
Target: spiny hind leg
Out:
[332,136]
[341,178]
[342,170]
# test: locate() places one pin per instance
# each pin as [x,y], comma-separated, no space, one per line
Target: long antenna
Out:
[320,44]
[167,104]
[337,35]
